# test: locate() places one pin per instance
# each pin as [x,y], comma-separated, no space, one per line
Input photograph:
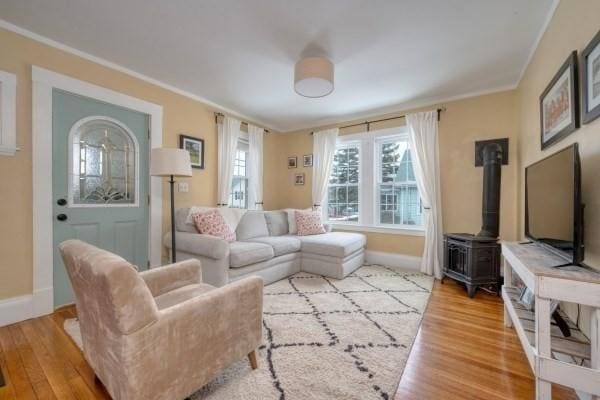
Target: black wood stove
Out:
[475,259]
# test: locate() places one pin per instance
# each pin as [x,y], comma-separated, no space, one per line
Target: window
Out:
[343,189]
[103,164]
[399,201]
[372,182]
[238,197]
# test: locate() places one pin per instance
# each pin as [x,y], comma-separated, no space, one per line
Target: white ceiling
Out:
[240,54]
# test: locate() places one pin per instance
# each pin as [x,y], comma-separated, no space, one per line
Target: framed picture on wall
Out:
[590,63]
[307,160]
[195,147]
[559,104]
[299,179]
[293,162]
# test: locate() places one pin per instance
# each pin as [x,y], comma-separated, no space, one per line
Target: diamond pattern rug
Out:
[328,339]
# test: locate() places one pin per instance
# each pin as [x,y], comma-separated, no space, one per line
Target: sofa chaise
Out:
[264,247]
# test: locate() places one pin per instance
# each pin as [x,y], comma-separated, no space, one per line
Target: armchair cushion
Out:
[181,294]
[170,277]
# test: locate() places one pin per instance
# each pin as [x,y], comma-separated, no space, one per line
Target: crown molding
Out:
[117,67]
[399,108]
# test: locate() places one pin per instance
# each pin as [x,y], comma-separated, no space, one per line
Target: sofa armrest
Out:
[202,245]
[170,277]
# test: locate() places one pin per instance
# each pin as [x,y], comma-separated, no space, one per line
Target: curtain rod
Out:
[368,123]
[219,114]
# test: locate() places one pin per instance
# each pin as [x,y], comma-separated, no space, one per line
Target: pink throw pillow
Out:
[309,223]
[212,223]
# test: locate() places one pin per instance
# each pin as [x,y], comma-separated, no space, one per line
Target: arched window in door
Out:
[103,167]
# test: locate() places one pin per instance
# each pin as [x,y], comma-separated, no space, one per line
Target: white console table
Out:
[574,361]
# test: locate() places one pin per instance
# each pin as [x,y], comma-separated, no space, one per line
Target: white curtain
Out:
[255,167]
[229,133]
[323,152]
[423,139]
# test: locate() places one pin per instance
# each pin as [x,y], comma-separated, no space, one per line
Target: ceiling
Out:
[388,54]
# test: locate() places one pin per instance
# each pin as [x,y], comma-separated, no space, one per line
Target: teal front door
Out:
[99,181]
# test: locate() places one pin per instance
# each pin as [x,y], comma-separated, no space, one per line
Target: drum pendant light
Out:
[313,77]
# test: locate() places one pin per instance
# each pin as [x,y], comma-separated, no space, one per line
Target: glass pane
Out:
[353,194]
[353,156]
[352,212]
[331,195]
[103,164]
[343,194]
[353,175]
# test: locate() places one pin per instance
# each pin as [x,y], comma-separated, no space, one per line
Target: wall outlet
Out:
[183,187]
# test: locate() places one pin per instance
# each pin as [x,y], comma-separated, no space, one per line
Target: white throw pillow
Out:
[291,214]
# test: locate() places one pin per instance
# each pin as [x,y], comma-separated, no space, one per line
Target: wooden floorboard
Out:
[462,351]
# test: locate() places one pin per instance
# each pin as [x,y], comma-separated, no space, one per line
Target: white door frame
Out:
[43,82]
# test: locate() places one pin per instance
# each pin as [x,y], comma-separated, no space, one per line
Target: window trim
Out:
[369,176]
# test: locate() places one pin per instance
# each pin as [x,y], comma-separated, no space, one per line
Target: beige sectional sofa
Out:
[265,248]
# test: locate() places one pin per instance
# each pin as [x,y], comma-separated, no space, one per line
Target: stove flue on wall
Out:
[492,173]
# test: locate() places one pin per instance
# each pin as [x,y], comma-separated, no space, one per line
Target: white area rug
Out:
[328,339]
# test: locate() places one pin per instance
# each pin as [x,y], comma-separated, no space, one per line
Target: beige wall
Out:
[573,25]
[181,114]
[463,122]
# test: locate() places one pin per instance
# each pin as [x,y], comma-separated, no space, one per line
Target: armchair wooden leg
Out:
[252,359]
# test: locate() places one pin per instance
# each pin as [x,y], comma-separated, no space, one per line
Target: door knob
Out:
[61,217]
[61,202]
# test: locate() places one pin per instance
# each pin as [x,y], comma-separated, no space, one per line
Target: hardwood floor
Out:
[462,351]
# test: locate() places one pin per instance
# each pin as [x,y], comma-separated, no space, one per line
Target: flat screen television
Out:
[553,205]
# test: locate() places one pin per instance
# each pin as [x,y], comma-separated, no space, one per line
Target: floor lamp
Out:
[170,163]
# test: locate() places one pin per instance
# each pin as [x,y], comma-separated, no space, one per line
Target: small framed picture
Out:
[293,162]
[299,179]
[559,104]
[307,160]
[195,147]
[590,60]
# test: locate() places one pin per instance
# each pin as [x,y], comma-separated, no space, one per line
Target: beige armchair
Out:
[159,334]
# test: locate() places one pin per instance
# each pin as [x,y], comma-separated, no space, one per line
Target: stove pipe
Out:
[492,168]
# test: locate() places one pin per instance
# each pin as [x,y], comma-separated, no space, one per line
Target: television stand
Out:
[575,361]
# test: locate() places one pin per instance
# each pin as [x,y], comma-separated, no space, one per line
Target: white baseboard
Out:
[393,259]
[17,309]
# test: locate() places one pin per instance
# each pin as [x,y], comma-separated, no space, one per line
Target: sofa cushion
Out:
[253,224]
[181,221]
[277,223]
[334,244]
[181,294]
[246,253]
[281,244]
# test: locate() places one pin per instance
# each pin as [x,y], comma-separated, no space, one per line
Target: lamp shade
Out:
[313,77]
[166,162]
